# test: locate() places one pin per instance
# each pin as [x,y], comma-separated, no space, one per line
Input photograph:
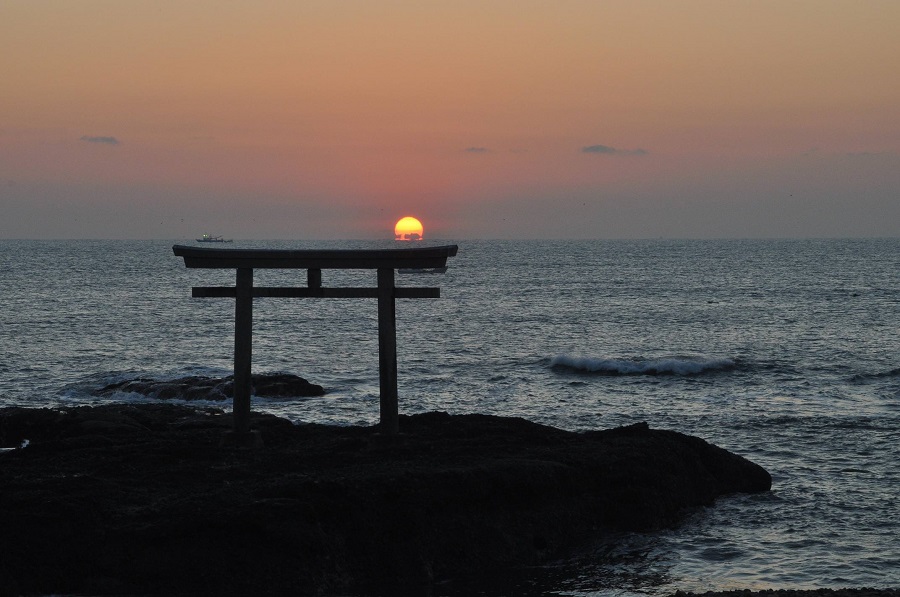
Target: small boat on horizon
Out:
[206,238]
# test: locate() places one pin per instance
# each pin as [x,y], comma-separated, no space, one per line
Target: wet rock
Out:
[143,499]
[264,385]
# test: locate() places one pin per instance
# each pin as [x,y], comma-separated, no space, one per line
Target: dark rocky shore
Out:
[144,499]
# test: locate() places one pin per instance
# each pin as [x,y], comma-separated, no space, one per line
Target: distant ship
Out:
[213,239]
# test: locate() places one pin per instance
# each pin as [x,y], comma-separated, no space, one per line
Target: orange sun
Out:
[408,228]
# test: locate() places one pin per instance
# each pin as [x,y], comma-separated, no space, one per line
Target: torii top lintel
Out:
[411,258]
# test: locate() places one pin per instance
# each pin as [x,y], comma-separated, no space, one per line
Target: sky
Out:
[332,119]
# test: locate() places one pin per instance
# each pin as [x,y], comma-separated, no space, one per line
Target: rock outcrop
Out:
[196,387]
[143,499]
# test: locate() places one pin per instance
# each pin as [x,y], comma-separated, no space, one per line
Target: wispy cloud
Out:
[862,155]
[477,150]
[598,149]
[607,150]
[868,154]
[104,140]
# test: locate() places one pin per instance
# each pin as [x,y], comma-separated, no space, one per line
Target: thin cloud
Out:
[869,154]
[607,150]
[477,150]
[862,155]
[598,149]
[103,140]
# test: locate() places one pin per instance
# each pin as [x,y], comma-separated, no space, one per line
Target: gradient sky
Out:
[483,118]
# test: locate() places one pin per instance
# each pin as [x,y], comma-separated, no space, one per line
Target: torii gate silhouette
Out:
[385,261]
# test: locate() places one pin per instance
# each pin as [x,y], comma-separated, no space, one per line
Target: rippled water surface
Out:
[786,352]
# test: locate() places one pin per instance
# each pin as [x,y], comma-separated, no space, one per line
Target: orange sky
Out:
[271,119]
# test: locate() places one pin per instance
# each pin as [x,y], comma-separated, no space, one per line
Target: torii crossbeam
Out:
[385,261]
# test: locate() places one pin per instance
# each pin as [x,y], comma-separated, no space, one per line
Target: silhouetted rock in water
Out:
[196,387]
[142,499]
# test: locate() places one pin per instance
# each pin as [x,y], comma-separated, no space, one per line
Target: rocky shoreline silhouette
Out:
[144,499]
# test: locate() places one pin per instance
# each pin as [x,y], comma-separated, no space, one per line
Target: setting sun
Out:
[408,228]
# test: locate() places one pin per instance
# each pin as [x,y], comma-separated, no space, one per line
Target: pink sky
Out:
[484,119]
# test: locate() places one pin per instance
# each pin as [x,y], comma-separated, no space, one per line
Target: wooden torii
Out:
[385,261]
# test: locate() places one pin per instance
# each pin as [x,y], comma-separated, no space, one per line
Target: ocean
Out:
[784,351]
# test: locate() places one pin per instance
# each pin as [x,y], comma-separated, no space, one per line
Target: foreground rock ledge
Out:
[139,499]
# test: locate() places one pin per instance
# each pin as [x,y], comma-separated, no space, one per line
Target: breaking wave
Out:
[661,366]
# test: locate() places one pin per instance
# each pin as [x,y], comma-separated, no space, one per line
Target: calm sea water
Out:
[786,352]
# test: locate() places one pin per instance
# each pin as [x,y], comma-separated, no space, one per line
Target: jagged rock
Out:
[196,387]
[143,499]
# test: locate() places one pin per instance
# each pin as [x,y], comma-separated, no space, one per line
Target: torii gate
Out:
[385,261]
